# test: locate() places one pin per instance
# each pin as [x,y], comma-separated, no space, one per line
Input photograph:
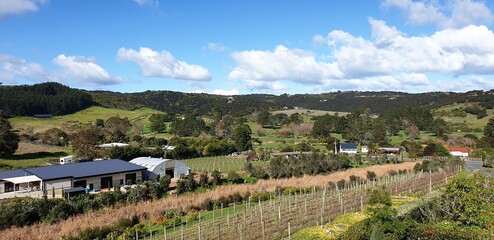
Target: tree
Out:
[242,137]
[158,122]
[216,175]
[412,131]
[489,129]
[264,118]
[9,139]
[54,136]
[116,129]
[84,142]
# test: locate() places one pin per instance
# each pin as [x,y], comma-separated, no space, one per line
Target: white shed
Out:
[160,167]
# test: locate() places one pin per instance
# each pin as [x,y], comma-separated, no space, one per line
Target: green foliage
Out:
[54,136]
[260,196]
[44,98]
[327,124]
[489,129]
[435,149]
[311,164]
[216,175]
[233,177]
[186,183]
[9,139]
[242,137]
[84,142]
[189,126]
[158,122]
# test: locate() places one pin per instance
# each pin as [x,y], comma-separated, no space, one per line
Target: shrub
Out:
[371,176]
[260,196]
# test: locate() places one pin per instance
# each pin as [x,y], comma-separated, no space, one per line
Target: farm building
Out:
[113,144]
[459,152]
[349,148]
[161,167]
[43,181]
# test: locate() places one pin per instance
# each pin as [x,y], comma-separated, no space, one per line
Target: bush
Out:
[371,176]
[260,196]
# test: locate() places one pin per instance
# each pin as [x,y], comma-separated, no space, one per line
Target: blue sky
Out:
[241,47]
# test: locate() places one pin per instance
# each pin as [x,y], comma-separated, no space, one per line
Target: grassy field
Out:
[309,112]
[33,155]
[470,119]
[85,116]
[223,164]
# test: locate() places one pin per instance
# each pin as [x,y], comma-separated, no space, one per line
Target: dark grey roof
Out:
[14,173]
[348,146]
[76,170]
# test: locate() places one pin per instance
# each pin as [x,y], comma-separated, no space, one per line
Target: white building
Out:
[459,152]
[161,167]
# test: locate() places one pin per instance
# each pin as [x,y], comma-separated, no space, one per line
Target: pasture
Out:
[85,116]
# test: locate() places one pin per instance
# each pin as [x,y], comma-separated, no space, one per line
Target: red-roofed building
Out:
[459,152]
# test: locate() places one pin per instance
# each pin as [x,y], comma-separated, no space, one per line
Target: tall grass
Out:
[152,209]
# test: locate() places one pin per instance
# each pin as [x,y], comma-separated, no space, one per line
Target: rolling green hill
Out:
[82,117]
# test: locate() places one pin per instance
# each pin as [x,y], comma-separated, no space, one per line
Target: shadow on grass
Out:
[30,156]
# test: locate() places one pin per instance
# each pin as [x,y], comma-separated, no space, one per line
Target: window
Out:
[130,178]
[106,182]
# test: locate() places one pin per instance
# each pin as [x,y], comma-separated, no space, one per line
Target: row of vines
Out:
[278,217]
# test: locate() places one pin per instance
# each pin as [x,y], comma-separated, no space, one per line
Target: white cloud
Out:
[13,69]
[388,60]
[154,3]
[8,7]
[163,65]
[216,47]
[281,64]
[468,83]
[225,92]
[452,14]
[84,70]
[459,51]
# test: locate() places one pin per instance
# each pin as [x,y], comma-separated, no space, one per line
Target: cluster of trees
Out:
[45,98]
[267,119]
[309,164]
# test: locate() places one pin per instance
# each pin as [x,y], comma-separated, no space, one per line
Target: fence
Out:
[279,217]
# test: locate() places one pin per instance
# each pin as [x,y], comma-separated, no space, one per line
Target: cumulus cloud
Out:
[459,51]
[281,64]
[163,65]
[13,69]
[467,83]
[12,7]
[388,60]
[452,14]
[225,92]
[84,70]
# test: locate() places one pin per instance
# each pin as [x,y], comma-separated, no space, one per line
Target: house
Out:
[56,180]
[349,148]
[364,149]
[459,152]
[160,167]
[43,115]
[111,145]
[390,150]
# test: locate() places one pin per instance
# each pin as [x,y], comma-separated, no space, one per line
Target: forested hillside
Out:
[377,102]
[57,99]
[46,98]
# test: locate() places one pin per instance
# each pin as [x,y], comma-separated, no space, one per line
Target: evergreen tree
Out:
[242,137]
[9,139]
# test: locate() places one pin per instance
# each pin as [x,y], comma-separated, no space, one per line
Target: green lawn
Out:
[85,116]
[470,119]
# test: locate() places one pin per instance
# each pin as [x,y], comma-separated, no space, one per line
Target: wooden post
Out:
[289,232]
[263,230]
[199,230]
[279,212]
[219,231]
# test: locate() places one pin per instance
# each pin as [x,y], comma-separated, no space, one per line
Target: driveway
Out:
[473,166]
